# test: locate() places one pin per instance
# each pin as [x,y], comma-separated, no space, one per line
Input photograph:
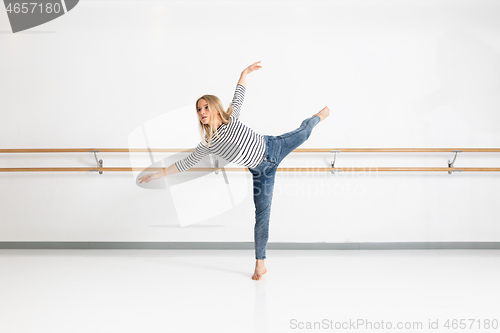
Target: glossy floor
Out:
[212,291]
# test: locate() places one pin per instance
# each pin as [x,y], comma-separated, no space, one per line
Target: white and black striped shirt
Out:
[237,143]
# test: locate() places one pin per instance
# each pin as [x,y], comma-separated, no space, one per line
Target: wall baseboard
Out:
[247,246]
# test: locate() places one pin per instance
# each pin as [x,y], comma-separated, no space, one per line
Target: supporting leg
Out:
[263,188]
[263,194]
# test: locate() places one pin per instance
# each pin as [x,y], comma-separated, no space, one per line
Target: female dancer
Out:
[224,135]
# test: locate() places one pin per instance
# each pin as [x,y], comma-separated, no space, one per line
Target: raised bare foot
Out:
[260,269]
[325,112]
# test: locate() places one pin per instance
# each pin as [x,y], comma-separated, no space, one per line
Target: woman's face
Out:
[203,111]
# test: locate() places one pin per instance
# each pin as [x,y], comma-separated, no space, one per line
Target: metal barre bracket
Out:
[334,158]
[215,163]
[99,162]
[451,163]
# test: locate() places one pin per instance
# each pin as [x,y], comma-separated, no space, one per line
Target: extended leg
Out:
[323,113]
[291,140]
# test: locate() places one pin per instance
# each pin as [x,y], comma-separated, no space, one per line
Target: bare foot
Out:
[325,112]
[260,269]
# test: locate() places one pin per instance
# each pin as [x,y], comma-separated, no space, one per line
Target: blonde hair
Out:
[208,131]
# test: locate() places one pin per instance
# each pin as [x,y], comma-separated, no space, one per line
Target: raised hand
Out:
[253,67]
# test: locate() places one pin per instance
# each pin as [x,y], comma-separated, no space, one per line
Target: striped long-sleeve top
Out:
[236,143]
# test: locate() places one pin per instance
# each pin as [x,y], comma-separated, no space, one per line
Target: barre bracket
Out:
[334,158]
[215,163]
[451,163]
[99,162]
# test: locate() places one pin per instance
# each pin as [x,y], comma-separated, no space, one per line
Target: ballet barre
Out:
[298,150]
[297,169]
[450,168]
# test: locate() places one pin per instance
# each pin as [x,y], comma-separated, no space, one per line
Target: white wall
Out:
[113,74]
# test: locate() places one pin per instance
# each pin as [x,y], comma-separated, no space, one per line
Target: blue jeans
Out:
[277,148]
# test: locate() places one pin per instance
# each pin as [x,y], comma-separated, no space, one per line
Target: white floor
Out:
[95,291]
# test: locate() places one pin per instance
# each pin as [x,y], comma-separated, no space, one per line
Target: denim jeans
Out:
[277,148]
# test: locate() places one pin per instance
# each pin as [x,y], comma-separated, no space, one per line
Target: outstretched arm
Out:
[162,173]
[248,70]
[239,93]
[179,166]
[170,170]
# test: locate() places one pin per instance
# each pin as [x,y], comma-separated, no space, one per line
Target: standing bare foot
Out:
[260,269]
[325,112]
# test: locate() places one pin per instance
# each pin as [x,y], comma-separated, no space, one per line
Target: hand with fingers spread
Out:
[150,177]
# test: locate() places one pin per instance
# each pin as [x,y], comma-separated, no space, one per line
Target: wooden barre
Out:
[332,169]
[298,150]
[298,169]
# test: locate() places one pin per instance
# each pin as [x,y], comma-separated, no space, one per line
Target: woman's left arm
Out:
[248,70]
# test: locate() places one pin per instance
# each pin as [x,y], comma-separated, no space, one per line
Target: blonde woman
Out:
[223,134]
